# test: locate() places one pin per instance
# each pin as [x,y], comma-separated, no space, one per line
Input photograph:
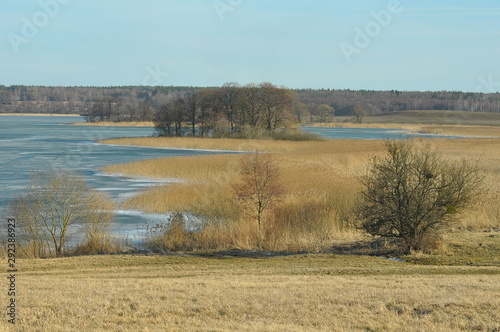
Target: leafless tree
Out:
[260,186]
[359,113]
[57,206]
[301,112]
[412,191]
[324,113]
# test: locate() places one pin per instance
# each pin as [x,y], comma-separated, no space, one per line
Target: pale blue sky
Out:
[421,45]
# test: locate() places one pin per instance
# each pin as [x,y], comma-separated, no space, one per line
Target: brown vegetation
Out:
[260,186]
[56,207]
[321,180]
[411,192]
[225,293]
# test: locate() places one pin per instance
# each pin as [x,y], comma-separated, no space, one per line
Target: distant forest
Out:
[142,103]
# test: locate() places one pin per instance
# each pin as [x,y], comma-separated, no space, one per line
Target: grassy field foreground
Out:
[226,293]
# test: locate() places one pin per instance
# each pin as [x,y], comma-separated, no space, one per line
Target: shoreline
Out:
[175,149]
[114,124]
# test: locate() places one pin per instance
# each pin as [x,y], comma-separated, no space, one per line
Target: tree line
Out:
[140,103]
[375,102]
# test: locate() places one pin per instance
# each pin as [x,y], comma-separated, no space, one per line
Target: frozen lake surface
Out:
[31,143]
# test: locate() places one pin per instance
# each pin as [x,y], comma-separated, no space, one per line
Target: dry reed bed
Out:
[292,293]
[321,178]
[462,130]
[211,143]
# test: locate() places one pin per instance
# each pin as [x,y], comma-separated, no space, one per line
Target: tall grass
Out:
[321,182]
[287,134]
[100,244]
[229,144]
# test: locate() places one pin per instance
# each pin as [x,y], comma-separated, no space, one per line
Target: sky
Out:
[409,45]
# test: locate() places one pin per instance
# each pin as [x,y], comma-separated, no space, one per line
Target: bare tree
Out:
[260,185]
[301,112]
[230,99]
[164,119]
[180,112]
[413,191]
[278,105]
[358,112]
[192,108]
[57,206]
[252,103]
[324,113]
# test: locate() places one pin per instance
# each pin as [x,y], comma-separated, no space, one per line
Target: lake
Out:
[30,143]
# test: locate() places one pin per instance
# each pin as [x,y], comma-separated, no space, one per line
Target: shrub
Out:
[170,235]
[412,192]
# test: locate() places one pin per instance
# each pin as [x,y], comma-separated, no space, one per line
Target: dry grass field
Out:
[321,292]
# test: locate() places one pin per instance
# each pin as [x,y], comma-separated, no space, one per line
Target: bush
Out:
[412,192]
[102,244]
[170,235]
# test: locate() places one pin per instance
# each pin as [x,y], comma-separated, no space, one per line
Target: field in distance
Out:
[433,117]
[429,122]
